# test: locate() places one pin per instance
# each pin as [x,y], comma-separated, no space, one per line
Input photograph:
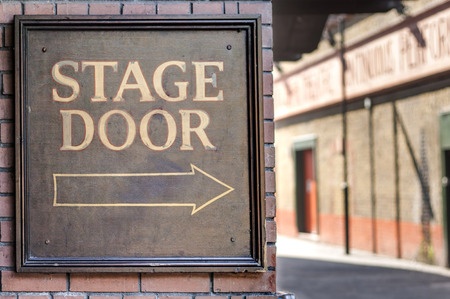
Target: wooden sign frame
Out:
[53,232]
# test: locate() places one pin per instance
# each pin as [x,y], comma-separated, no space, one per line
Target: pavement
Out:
[308,248]
[308,269]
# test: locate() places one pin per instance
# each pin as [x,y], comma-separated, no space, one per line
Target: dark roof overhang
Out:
[298,24]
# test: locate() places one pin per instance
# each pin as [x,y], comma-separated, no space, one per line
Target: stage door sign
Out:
[139,144]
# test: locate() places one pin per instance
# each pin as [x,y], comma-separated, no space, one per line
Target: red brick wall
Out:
[126,285]
[287,223]
[386,241]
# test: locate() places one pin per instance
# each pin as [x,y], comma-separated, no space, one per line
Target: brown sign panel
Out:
[139,144]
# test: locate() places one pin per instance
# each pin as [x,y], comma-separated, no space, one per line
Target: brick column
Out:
[127,285]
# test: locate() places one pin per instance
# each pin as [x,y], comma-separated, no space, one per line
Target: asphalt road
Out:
[316,279]
[311,270]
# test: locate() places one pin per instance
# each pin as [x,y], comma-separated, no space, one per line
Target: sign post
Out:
[139,144]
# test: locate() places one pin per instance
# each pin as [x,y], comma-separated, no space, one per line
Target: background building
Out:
[122,284]
[362,134]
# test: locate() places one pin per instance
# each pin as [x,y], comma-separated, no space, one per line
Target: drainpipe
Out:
[397,121]
[373,198]
[344,137]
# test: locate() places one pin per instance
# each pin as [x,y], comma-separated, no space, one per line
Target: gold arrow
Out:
[83,189]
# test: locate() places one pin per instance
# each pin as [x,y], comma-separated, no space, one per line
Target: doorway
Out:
[445,150]
[306,192]
[446,205]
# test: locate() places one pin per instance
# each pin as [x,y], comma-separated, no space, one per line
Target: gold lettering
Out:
[67,130]
[131,130]
[157,82]
[99,77]
[141,84]
[201,80]
[171,130]
[186,129]
[65,80]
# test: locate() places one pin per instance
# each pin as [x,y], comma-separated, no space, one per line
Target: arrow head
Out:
[197,206]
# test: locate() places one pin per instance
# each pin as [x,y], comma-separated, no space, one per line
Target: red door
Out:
[310,192]
[306,192]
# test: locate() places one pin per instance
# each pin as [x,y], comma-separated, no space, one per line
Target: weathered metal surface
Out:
[139,144]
